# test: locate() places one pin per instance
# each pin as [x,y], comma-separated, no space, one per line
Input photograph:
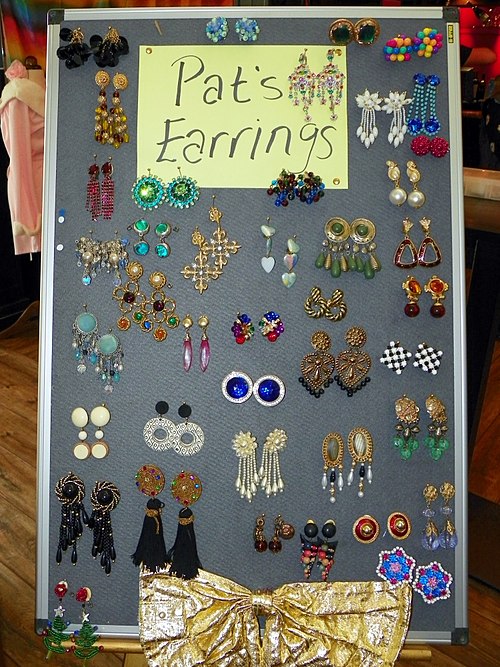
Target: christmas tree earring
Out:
[85,639]
[55,634]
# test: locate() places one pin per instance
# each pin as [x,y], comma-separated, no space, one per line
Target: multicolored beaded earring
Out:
[330,84]
[302,85]
[243,329]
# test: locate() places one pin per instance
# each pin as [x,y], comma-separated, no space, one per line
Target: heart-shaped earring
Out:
[290,260]
[268,261]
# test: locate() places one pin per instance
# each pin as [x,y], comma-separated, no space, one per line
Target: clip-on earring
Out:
[70,492]
[416,197]
[151,552]
[149,191]
[85,336]
[430,534]
[302,83]
[93,200]
[437,289]
[436,441]
[189,437]
[101,130]
[330,84]
[341,32]
[318,366]
[141,228]
[366,31]
[117,119]
[360,444]
[270,478]
[309,547]
[395,105]
[397,195]
[108,49]
[260,543]
[448,536]
[413,291]
[203,323]
[333,457]
[354,363]
[326,549]
[369,103]
[247,30]
[406,245]
[428,242]
[107,191]
[100,416]
[407,412]
[159,432]
[245,445]
[395,357]
[105,497]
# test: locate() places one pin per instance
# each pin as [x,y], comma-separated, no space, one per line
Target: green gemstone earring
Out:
[341,32]
[162,248]
[141,227]
[366,31]
[149,191]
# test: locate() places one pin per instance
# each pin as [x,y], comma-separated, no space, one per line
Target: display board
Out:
[221,114]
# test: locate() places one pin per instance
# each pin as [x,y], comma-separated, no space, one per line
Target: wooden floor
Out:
[20,647]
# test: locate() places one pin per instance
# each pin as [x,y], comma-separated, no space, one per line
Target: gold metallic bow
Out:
[212,621]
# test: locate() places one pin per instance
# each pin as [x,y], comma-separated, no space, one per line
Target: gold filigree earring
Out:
[354,363]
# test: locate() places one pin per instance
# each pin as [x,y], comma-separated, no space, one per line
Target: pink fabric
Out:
[22,130]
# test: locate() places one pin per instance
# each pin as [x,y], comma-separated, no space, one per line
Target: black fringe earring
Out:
[105,497]
[150,551]
[70,492]
[186,489]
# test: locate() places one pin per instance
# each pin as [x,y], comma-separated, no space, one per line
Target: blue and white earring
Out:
[238,387]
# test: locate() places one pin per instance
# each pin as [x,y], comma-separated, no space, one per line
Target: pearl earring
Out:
[397,195]
[416,197]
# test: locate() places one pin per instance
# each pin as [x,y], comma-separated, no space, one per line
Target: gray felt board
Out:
[153,371]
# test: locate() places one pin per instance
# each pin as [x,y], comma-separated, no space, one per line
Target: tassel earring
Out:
[245,445]
[102,121]
[93,201]
[107,191]
[117,119]
[150,551]
[70,492]
[330,84]
[183,556]
[369,103]
[269,473]
[104,498]
[203,323]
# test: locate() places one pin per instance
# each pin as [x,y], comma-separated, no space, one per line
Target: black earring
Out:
[105,497]
[70,491]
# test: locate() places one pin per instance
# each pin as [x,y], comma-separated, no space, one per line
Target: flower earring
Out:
[245,446]
[395,105]
[108,49]
[182,192]
[369,103]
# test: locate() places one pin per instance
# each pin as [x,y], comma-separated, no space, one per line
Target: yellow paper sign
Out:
[224,115]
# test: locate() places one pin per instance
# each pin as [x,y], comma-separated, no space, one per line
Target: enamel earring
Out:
[407,412]
[406,246]
[413,291]
[333,457]
[428,242]
[416,197]
[397,195]
[437,289]
[302,84]
[268,261]
[290,260]
[203,323]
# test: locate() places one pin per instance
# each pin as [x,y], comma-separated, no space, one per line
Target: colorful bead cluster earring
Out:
[320,551]
[407,412]
[305,187]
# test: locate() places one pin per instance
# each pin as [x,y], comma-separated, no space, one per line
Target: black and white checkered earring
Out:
[428,358]
[395,356]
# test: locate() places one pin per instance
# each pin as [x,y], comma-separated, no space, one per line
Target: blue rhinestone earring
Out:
[268,390]
[216,29]
[141,227]
[149,191]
